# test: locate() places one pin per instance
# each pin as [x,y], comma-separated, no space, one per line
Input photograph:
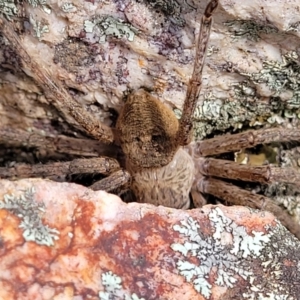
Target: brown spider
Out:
[154,142]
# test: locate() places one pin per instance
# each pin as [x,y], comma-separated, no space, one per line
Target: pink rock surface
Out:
[64,241]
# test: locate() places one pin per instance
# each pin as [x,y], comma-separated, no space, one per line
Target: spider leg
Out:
[53,143]
[194,86]
[112,182]
[103,165]
[232,170]
[55,89]
[247,139]
[238,196]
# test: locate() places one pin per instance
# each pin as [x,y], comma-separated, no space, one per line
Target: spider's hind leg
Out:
[237,196]
[243,140]
[263,174]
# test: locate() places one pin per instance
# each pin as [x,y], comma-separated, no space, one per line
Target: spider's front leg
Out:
[13,137]
[63,101]
[54,89]
[103,165]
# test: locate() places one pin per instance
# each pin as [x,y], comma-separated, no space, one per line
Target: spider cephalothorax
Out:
[162,171]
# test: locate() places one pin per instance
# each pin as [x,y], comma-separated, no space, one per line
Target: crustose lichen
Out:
[109,26]
[30,212]
[112,284]
[248,29]
[8,8]
[281,76]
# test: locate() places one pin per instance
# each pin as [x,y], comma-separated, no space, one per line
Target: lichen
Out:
[234,254]
[41,3]
[38,27]
[214,114]
[30,212]
[247,107]
[105,26]
[170,8]
[248,29]
[281,76]
[293,27]
[68,7]
[8,8]
[113,288]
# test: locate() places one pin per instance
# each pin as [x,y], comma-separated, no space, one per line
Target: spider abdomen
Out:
[168,185]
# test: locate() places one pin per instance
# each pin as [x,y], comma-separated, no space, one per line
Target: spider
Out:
[163,165]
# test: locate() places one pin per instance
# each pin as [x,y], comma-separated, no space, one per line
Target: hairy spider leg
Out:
[55,90]
[186,122]
[237,196]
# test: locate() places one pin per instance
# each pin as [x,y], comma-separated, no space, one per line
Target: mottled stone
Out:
[64,241]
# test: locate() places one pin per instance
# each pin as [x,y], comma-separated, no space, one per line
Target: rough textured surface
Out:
[101,50]
[251,78]
[64,241]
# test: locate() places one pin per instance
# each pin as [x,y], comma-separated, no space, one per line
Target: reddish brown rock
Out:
[64,241]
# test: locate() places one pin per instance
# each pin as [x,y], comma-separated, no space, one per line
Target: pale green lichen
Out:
[212,50]
[281,76]
[30,212]
[247,107]
[248,29]
[42,4]
[68,7]
[8,8]
[113,288]
[232,252]
[221,114]
[38,27]
[105,26]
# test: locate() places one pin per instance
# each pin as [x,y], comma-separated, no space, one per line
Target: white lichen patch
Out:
[68,7]
[42,4]
[229,253]
[30,212]
[38,27]
[8,8]
[113,288]
[105,26]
